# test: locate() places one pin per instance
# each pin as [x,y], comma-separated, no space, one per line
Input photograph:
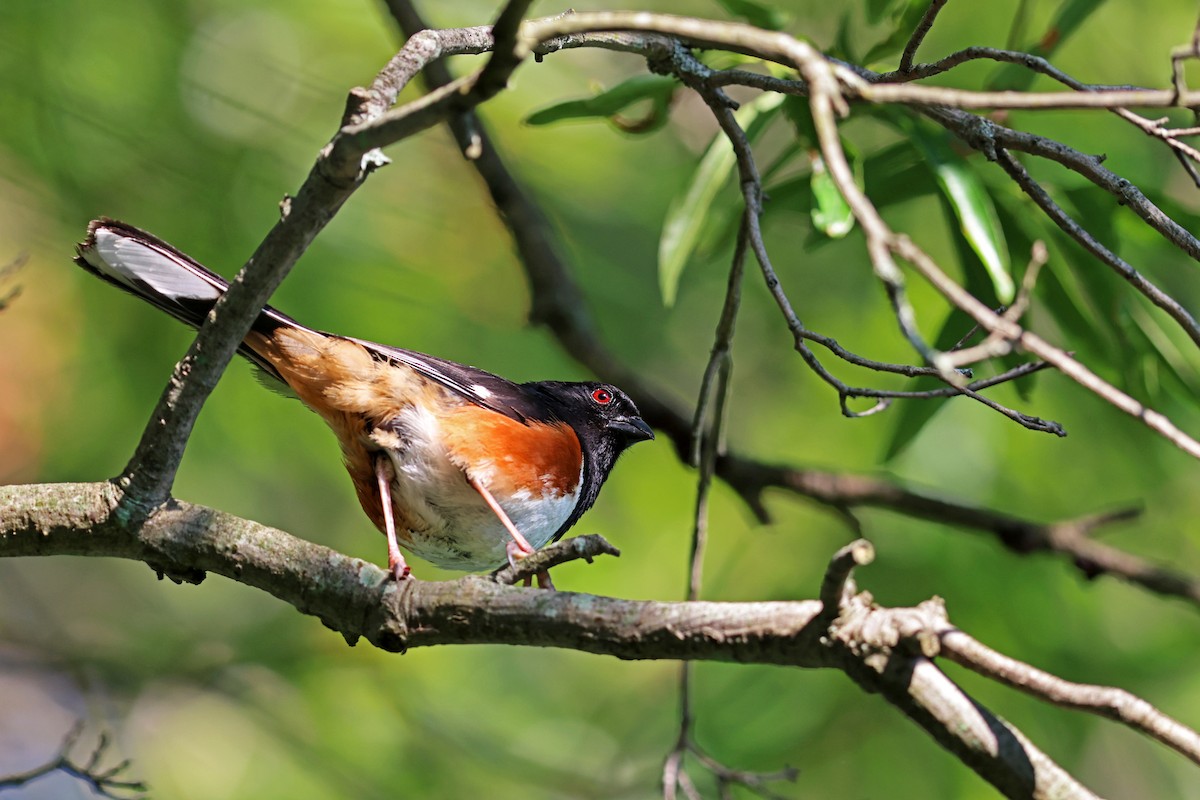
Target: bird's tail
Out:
[147,267]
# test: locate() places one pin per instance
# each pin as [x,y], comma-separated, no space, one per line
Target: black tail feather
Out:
[145,266]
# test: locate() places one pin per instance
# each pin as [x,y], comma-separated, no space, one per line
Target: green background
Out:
[193,119]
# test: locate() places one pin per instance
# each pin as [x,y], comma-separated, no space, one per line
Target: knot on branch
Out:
[873,634]
[852,620]
[980,134]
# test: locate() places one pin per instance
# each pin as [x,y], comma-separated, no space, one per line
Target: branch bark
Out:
[887,651]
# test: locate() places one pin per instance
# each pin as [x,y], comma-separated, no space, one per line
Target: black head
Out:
[606,422]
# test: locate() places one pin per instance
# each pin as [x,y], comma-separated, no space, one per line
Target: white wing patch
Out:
[130,261]
[481,391]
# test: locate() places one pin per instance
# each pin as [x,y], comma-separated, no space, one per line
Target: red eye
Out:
[602,396]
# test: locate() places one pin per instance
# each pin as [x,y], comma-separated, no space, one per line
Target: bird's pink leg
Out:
[384,475]
[519,547]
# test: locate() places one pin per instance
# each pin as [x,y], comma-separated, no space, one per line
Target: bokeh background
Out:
[192,119]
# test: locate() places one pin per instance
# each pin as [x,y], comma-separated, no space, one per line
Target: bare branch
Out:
[837,587]
[918,35]
[873,645]
[1070,538]
[989,137]
[882,241]
[1118,265]
[1116,704]
[104,782]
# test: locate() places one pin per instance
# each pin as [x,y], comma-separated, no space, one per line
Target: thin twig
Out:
[837,585]
[918,35]
[1077,232]
[986,135]
[104,782]
[882,241]
[707,433]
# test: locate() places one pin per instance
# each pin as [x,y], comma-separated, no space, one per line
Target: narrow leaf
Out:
[831,213]
[972,205]
[1067,19]
[905,17]
[689,212]
[655,88]
[877,9]
[1172,349]
[892,175]
[760,15]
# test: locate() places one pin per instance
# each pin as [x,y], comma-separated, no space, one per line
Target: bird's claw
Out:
[399,570]
[515,553]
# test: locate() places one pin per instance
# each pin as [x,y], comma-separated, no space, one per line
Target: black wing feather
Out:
[481,387]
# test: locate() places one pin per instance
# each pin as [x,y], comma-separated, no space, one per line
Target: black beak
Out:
[634,429]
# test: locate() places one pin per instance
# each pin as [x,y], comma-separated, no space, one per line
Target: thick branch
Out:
[356,598]
[871,644]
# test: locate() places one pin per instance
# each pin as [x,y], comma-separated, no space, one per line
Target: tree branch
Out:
[108,782]
[1105,701]
[887,651]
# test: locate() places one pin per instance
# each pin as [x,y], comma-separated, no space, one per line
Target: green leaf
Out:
[914,415]
[799,113]
[757,14]
[1067,19]
[1079,306]
[830,213]
[905,17]
[878,9]
[658,89]
[969,199]
[896,174]
[977,219]
[1167,345]
[892,175]
[689,212]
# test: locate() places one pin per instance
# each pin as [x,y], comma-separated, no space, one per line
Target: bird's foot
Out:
[519,550]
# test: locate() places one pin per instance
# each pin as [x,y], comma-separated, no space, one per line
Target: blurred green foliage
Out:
[192,119]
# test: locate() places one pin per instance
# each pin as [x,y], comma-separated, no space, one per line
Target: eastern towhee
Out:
[461,466]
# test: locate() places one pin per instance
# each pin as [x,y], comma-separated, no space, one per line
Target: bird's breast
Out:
[534,472]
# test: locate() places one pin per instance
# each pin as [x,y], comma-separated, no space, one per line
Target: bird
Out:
[465,468]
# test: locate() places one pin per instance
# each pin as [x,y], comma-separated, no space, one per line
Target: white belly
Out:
[457,529]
